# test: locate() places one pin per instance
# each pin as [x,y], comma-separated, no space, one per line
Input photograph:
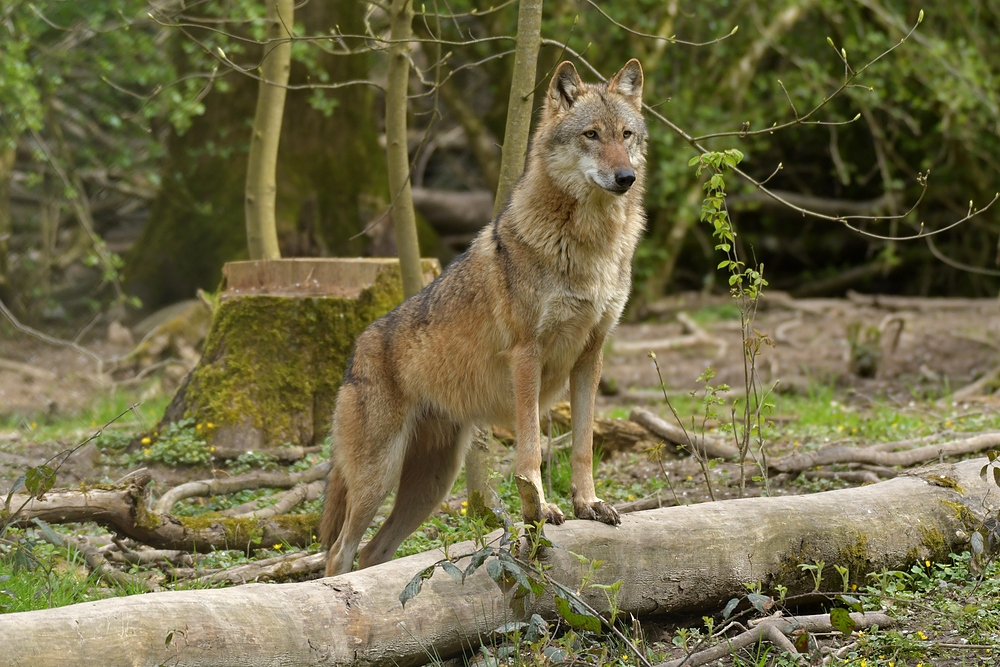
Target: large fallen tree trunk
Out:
[677,559]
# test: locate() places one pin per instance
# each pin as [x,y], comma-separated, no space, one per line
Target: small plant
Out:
[180,443]
[816,570]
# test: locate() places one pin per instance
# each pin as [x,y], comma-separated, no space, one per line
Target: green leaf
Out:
[537,628]
[761,603]
[852,602]
[51,535]
[477,560]
[586,622]
[695,160]
[413,587]
[495,569]
[39,479]
[455,573]
[730,607]
[841,619]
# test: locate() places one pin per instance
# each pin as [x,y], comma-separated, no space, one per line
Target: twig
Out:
[841,454]
[254,480]
[709,445]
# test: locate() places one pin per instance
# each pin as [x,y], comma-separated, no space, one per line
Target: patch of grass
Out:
[42,427]
[36,575]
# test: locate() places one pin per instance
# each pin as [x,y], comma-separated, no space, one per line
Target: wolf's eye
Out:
[590,134]
[627,133]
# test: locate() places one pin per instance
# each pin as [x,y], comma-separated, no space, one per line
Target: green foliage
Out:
[180,443]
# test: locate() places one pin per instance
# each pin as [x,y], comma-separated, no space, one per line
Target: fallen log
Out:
[709,445]
[875,456]
[678,559]
[122,508]
[611,435]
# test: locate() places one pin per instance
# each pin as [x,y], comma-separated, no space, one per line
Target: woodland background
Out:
[124,131]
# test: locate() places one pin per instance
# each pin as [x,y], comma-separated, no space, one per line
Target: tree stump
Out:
[275,354]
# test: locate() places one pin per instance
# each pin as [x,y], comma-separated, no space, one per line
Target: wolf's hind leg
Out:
[369,464]
[433,459]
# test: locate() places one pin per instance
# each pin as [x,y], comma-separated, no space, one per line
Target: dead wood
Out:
[453,211]
[712,446]
[673,560]
[982,386]
[892,302]
[284,567]
[611,435]
[252,480]
[286,501]
[122,509]
[776,630]
[843,454]
[96,562]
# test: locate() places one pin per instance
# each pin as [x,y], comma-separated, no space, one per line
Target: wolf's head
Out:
[593,134]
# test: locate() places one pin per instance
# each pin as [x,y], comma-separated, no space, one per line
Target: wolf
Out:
[495,337]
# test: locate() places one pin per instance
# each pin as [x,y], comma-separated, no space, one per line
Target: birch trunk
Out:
[397,155]
[261,188]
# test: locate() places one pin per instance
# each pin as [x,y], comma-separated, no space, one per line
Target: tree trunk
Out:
[277,346]
[261,187]
[7,155]
[522,95]
[397,154]
[678,559]
[331,182]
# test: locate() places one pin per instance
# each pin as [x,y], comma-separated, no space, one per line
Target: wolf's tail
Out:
[334,507]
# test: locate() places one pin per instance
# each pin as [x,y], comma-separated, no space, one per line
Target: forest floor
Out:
[927,362]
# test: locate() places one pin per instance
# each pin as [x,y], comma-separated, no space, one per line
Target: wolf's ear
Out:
[628,82]
[565,86]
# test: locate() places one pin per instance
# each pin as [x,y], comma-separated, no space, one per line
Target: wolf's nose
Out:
[624,178]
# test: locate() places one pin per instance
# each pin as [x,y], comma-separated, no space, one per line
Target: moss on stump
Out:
[276,350]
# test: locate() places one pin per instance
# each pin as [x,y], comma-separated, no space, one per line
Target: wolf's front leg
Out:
[527,371]
[583,381]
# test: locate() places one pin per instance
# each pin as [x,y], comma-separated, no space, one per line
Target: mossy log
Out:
[275,354]
[122,508]
[679,559]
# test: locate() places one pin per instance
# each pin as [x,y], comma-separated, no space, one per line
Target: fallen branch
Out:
[611,435]
[776,630]
[122,509]
[843,454]
[674,560]
[286,502]
[97,564]
[286,566]
[254,480]
[712,446]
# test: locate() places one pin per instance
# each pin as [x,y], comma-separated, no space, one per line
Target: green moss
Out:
[935,542]
[300,524]
[856,557]
[238,530]
[274,363]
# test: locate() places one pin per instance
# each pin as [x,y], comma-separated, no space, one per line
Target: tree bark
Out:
[397,155]
[7,155]
[678,559]
[522,96]
[261,187]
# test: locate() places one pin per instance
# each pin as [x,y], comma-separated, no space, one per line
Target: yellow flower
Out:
[34,425]
[146,452]
[920,633]
[278,546]
[948,423]
[840,427]
[197,427]
[689,478]
[795,444]
[465,503]
[631,497]
[211,449]
[854,430]
[463,511]
[854,587]
[927,563]
[210,425]
[146,441]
